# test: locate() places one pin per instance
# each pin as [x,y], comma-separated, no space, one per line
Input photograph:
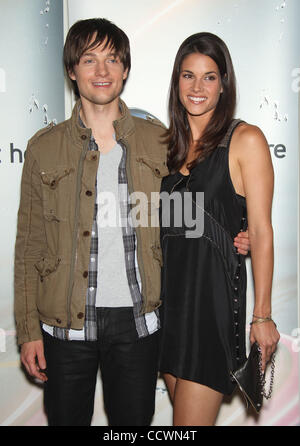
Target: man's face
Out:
[99,75]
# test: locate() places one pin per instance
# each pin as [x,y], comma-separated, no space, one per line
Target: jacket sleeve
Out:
[29,248]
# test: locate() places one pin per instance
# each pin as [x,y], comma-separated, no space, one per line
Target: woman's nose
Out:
[198,85]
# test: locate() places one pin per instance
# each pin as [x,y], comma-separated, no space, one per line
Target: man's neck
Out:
[100,118]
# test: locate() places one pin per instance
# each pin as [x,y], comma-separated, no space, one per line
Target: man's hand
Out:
[32,356]
[242,243]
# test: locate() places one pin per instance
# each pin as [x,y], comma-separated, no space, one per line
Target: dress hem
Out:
[199,381]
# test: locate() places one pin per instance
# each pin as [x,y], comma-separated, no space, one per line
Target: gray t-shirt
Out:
[113,289]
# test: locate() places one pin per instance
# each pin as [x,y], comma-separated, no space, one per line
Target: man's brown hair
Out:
[90,33]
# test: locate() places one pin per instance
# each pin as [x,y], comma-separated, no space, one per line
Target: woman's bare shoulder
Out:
[247,132]
[248,138]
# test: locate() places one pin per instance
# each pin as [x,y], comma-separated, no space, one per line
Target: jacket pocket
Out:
[52,178]
[56,192]
[47,265]
[158,167]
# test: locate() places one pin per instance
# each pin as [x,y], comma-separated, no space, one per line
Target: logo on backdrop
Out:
[17,155]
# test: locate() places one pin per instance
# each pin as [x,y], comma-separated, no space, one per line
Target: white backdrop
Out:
[263,38]
[31,95]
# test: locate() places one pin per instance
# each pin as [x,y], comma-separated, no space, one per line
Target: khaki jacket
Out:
[56,213]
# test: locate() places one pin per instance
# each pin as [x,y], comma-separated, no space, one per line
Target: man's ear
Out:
[125,74]
[72,75]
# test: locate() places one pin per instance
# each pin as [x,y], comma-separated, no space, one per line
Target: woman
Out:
[204,279]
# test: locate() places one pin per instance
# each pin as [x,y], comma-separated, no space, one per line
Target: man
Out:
[79,307]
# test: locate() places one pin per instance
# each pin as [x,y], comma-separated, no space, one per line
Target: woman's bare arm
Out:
[254,176]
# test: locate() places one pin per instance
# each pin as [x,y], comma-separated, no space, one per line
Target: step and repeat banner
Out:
[264,41]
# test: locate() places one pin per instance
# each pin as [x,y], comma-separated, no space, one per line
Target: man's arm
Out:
[30,246]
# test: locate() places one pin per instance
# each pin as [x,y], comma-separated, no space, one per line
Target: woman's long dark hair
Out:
[178,136]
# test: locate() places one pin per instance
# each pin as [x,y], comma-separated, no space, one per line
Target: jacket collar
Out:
[124,126]
[76,130]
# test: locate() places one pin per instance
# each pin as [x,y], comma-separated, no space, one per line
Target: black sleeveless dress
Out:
[204,278]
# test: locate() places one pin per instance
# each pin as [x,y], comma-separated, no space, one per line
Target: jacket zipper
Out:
[75,234]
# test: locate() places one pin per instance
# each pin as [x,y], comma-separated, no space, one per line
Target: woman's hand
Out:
[267,337]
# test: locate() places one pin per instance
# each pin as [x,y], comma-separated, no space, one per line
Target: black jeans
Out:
[128,368]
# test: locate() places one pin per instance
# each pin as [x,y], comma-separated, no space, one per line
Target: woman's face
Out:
[199,85]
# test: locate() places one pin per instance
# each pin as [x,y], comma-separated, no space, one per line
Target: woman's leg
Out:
[193,403]
[170,381]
